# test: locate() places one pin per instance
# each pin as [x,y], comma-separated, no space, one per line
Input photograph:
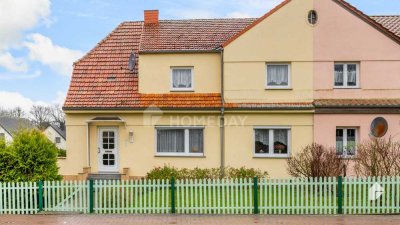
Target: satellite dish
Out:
[132,61]
[379,127]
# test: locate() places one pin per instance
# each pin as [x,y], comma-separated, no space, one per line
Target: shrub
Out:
[379,157]
[167,172]
[316,161]
[36,157]
[61,152]
[7,163]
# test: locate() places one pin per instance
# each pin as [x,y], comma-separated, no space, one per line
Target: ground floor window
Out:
[271,142]
[175,141]
[346,141]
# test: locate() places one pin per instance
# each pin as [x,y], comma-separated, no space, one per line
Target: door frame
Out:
[100,167]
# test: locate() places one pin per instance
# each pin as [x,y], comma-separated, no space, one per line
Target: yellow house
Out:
[194,93]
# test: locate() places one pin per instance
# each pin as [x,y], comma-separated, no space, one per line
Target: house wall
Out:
[7,136]
[341,36]
[325,126]
[51,134]
[139,156]
[155,71]
[239,138]
[286,37]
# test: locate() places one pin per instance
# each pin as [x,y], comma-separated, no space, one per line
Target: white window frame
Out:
[172,79]
[344,154]
[271,153]
[345,77]
[183,154]
[289,86]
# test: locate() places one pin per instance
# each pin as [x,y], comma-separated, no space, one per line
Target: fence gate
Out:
[65,196]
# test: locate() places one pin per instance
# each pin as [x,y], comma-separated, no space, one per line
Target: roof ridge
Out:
[398,15]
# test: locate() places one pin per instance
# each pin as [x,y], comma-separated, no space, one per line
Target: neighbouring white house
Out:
[57,136]
[9,125]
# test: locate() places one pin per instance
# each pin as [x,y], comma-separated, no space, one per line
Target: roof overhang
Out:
[106,119]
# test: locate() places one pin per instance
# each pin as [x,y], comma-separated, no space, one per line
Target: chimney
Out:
[151,17]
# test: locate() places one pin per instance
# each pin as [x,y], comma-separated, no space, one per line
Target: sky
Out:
[40,39]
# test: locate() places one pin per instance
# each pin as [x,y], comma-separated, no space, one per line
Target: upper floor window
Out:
[346,141]
[312,17]
[182,79]
[346,75]
[176,141]
[278,76]
[271,142]
[57,140]
[2,136]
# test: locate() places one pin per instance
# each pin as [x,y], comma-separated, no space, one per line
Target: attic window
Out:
[312,17]
[111,78]
[132,61]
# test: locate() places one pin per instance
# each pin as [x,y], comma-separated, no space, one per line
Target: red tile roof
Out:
[270,106]
[190,35]
[102,80]
[323,103]
[392,23]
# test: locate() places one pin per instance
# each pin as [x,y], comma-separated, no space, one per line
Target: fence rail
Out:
[299,196]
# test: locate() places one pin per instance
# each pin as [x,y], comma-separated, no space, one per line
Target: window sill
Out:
[346,88]
[182,90]
[180,155]
[278,88]
[271,156]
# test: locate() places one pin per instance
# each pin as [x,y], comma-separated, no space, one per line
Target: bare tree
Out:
[378,157]
[41,116]
[316,161]
[57,116]
[16,112]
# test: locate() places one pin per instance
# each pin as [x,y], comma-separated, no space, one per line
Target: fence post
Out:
[340,195]
[255,194]
[91,196]
[172,195]
[40,189]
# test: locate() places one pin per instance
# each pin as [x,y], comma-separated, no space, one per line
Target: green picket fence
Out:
[295,196]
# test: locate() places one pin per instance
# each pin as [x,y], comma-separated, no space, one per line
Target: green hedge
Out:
[167,172]
[29,157]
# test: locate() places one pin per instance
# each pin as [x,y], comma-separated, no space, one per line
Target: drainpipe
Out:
[88,143]
[222,116]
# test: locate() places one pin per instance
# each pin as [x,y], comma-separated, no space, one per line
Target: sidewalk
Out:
[196,219]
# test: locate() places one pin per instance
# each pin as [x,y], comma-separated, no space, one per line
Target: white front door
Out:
[108,149]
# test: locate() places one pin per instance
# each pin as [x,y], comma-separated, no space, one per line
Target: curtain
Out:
[339,141]
[182,78]
[171,140]
[262,141]
[280,141]
[196,141]
[352,74]
[278,75]
[338,75]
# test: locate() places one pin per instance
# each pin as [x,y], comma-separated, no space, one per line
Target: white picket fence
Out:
[18,198]
[300,196]
[138,196]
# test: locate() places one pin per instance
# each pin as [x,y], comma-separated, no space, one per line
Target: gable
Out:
[283,34]
[344,33]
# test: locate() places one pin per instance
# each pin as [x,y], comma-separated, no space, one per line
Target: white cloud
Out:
[9,100]
[20,76]
[60,98]
[17,16]
[11,63]
[43,50]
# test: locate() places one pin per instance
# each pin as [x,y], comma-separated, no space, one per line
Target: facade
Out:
[57,136]
[232,92]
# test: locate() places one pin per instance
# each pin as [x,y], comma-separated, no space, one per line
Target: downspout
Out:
[88,143]
[222,116]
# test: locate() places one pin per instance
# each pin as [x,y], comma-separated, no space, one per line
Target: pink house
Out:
[356,75]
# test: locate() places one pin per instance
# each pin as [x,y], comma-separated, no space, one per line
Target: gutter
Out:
[222,116]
